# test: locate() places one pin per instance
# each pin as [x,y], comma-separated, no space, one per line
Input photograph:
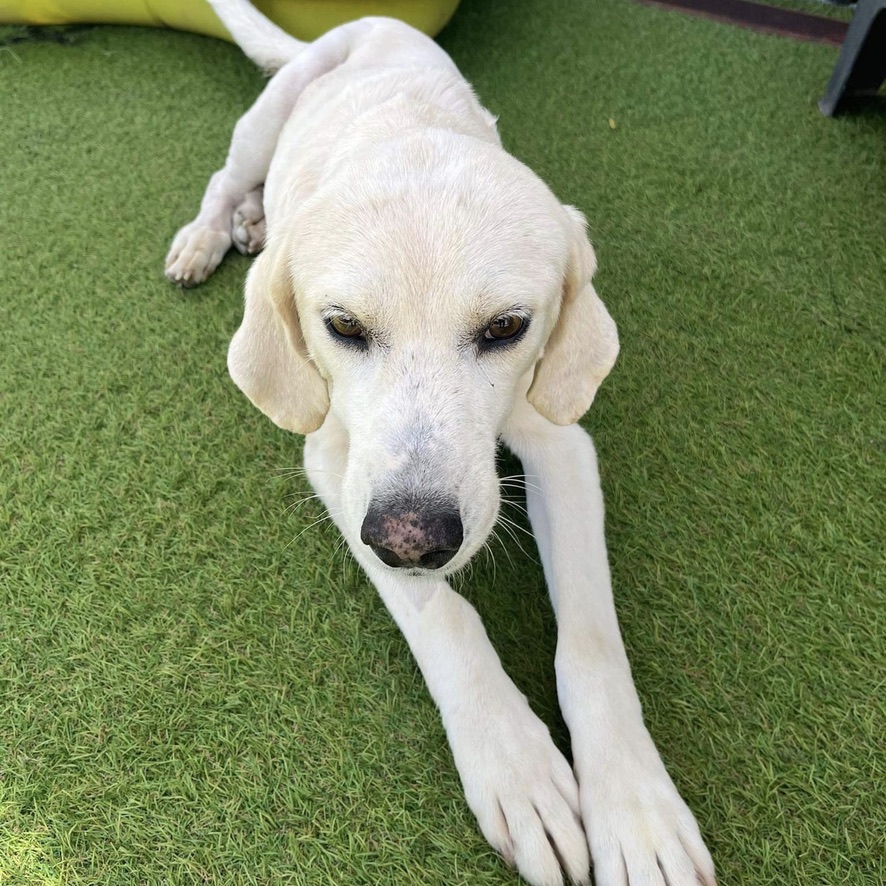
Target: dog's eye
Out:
[504,328]
[345,326]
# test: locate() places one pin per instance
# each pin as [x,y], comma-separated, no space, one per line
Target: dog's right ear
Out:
[268,359]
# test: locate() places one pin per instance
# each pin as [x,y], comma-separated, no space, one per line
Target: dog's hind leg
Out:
[199,246]
[249,223]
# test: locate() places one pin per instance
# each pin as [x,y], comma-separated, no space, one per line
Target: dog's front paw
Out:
[640,831]
[195,253]
[521,790]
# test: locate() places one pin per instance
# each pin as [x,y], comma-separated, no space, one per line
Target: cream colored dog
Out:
[422,295]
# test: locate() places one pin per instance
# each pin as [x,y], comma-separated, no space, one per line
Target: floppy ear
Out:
[583,345]
[268,359]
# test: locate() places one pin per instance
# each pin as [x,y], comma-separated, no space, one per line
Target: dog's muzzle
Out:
[411,536]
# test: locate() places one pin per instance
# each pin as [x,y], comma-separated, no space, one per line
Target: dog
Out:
[421,295]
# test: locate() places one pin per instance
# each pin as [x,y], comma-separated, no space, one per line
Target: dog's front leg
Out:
[517,783]
[639,829]
[232,210]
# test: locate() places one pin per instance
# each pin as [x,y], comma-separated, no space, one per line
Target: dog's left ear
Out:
[583,345]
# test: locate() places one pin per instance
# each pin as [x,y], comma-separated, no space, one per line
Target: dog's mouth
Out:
[456,564]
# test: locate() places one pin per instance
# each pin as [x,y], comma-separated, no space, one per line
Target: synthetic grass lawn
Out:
[198,686]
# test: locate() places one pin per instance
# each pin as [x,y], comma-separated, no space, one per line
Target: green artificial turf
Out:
[198,686]
[822,8]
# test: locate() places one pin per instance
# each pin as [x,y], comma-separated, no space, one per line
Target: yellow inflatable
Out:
[305,19]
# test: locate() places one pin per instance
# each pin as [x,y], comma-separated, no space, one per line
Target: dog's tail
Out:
[269,46]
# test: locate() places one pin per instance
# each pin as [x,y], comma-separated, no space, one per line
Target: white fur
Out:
[387,196]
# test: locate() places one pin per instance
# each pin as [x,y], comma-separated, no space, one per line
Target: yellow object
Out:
[305,19]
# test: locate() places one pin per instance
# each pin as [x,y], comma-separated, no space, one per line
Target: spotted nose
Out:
[410,537]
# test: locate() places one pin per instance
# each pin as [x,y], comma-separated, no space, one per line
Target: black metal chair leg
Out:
[861,66]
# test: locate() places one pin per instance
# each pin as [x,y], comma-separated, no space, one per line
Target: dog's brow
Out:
[489,306]
[359,311]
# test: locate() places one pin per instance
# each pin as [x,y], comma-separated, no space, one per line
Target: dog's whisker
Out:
[518,481]
[307,496]
[490,558]
[344,549]
[301,469]
[504,547]
[289,473]
[516,541]
[507,521]
[521,476]
[293,506]
[289,509]
[489,381]
[516,505]
[509,526]
[317,522]
[303,496]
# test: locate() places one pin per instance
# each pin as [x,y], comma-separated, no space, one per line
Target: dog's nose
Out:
[408,537]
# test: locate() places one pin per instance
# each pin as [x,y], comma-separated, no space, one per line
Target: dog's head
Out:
[415,295]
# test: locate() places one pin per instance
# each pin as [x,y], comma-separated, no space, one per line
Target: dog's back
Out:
[380,79]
